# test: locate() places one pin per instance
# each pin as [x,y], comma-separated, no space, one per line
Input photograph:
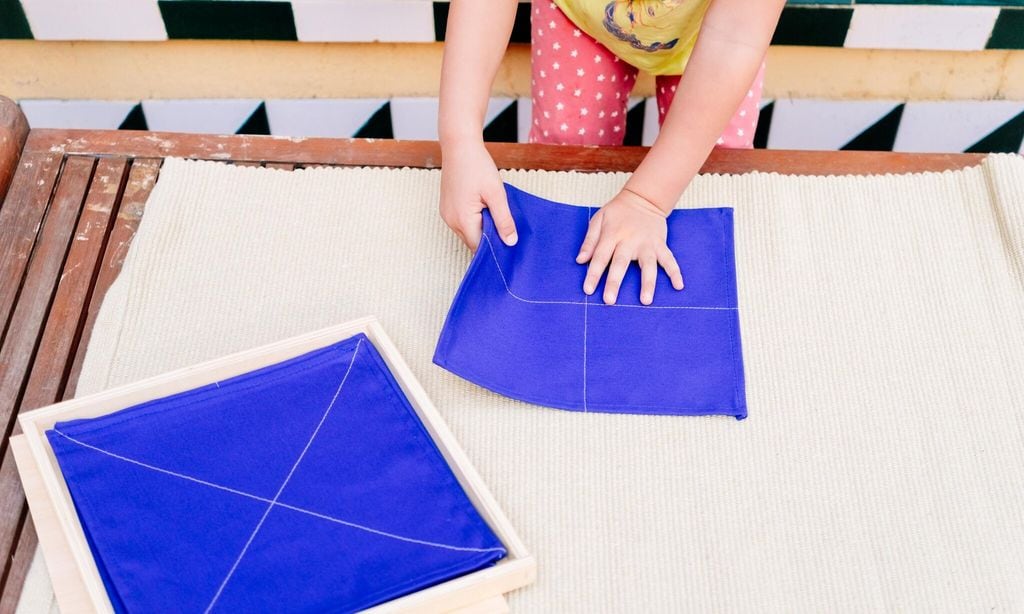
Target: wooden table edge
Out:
[427,154]
[13,134]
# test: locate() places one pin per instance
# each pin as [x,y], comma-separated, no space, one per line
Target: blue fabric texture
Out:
[306,486]
[520,324]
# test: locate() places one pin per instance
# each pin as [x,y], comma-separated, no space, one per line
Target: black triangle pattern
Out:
[520,27]
[879,136]
[764,124]
[135,120]
[440,20]
[504,128]
[635,125]
[378,126]
[1004,139]
[258,123]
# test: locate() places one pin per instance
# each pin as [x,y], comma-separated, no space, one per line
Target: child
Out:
[585,56]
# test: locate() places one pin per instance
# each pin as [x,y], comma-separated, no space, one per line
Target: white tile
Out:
[822,124]
[951,126]
[215,116]
[322,117]
[362,21]
[651,126]
[93,114]
[414,118]
[95,19]
[921,27]
[524,118]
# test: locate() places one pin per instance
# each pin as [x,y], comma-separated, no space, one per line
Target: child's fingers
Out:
[598,263]
[469,230]
[617,270]
[648,278]
[497,202]
[589,241]
[668,262]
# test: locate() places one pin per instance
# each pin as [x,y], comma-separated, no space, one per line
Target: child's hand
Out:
[628,228]
[470,182]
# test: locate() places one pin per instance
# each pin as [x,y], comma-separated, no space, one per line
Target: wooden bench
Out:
[74,199]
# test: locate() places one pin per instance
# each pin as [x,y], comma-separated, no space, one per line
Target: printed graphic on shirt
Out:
[656,36]
[637,12]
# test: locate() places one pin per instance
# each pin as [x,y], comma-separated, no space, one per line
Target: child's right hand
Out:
[470,182]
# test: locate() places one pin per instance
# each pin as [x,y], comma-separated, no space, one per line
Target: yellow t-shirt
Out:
[656,36]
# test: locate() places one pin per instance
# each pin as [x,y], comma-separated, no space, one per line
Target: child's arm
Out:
[475,41]
[730,48]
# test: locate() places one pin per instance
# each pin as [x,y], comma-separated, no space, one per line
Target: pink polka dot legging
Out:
[581,89]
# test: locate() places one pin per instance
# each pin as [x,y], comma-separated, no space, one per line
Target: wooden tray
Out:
[76,580]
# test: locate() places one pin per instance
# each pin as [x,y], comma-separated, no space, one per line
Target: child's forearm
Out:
[729,51]
[477,35]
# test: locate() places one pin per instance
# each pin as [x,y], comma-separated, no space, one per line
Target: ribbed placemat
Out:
[881,467]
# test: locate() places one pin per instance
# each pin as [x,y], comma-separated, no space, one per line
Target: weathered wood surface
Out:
[13,132]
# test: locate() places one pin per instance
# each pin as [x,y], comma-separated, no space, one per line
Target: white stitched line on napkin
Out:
[598,304]
[271,503]
[247,495]
[291,472]
[586,304]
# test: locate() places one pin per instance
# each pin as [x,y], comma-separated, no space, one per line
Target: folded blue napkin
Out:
[306,486]
[520,324]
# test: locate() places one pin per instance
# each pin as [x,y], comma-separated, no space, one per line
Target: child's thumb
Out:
[497,203]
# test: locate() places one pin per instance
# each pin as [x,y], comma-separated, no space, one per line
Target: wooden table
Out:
[74,199]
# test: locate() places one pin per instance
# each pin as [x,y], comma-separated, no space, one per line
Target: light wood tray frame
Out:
[76,580]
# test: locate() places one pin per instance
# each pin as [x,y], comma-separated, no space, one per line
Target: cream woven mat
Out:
[881,467]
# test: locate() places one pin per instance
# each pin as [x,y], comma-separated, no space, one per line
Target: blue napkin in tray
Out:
[520,324]
[310,485]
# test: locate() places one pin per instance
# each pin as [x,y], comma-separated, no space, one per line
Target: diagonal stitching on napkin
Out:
[508,289]
[291,472]
[275,500]
[255,497]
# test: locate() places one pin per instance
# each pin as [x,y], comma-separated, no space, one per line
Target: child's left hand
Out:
[628,228]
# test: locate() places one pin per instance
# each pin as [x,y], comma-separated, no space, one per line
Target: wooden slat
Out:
[45,264]
[67,309]
[141,178]
[20,559]
[13,132]
[20,345]
[59,340]
[427,154]
[20,221]
[60,336]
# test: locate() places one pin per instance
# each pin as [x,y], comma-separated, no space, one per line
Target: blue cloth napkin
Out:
[520,324]
[307,486]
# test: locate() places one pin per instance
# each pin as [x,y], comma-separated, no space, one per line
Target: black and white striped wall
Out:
[879,24]
[941,126]
[953,125]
